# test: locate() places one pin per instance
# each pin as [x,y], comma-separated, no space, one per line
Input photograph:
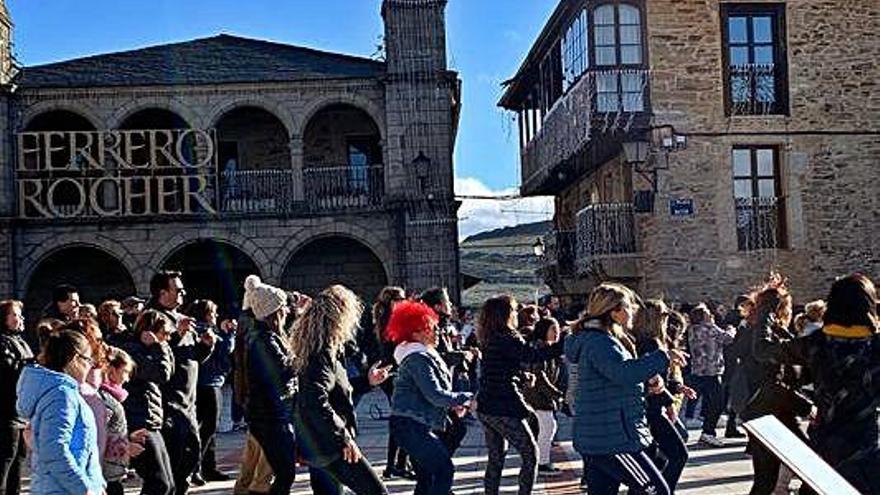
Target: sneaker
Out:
[548,470]
[711,440]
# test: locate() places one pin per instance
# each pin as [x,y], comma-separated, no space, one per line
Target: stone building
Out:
[227,156]
[693,145]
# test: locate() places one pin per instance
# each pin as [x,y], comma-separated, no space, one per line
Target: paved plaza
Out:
[719,471]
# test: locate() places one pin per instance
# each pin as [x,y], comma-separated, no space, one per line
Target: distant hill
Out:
[505,261]
[532,229]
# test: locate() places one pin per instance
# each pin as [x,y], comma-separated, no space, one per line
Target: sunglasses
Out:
[85,358]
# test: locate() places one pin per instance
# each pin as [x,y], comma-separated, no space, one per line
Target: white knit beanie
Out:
[262,299]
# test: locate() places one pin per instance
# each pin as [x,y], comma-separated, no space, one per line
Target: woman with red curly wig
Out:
[422,396]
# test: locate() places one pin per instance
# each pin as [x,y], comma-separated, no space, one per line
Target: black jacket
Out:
[654,403]
[180,391]
[545,394]
[846,375]
[762,366]
[324,419]
[15,353]
[501,380]
[270,376]
[155,365]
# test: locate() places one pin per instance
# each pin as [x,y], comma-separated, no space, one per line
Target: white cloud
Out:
[479,215]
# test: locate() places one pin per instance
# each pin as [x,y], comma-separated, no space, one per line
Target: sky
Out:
[487,41]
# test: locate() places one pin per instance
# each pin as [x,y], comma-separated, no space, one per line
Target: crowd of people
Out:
[136,387]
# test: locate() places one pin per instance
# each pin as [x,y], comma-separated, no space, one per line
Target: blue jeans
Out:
[430,459]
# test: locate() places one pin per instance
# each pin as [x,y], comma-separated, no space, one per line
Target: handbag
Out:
[777,399]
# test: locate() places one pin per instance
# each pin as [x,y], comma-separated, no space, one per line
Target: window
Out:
[575,58]
[756,71]
[618,56]
[551,80]
[757,192]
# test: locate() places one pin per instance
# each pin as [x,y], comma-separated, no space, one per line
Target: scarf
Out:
[843,332]
[115,390]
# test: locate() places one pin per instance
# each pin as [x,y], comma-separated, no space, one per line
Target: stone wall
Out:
[829,147]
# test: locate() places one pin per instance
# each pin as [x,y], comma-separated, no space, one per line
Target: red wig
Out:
[409,318]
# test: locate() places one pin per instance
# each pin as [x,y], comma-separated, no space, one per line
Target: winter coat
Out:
[546,394]
[324,416]
[213,371]
[609,400]
[655,403]
[114,454]
[179,392]
[763,368]
[155,365]
[65,458]
[271,377]
[423,386]
[15,354]
[501,381]
[707,341]
[844,364]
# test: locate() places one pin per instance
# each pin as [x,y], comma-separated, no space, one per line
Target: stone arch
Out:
[59,242]
[213,270]
[337,229]
[171,104]
[273,107]
[335,259]
[238,241]
[96,272]
[43,107]
[367,105]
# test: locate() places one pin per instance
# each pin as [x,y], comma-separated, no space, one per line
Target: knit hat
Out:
[262,299]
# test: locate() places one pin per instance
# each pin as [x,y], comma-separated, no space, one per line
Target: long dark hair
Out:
[853,302]
[495,317]
[382,309]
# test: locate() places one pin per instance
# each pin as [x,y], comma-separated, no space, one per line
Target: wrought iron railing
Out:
[759,223]
[257,191]
[343,187]
[605,229]
[753,89]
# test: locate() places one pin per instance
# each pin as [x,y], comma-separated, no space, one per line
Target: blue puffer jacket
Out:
[609,398]
[65,458]
[423,386]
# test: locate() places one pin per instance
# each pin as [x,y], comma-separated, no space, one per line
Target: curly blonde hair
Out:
[328,323]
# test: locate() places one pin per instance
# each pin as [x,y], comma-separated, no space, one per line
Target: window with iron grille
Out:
[755,67]
[757,192]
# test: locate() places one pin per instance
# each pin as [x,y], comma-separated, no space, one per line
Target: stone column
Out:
[296,164]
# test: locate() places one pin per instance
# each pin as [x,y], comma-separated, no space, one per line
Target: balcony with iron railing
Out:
[343,187]
[600,102]
[606,241]
[754,89]
[760,223]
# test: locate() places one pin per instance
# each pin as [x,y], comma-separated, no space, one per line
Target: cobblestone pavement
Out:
[716,471]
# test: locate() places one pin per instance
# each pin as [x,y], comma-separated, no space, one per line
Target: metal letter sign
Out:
[795,454]
[681,207]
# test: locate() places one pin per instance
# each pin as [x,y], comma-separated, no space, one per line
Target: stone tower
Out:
[7,69]
[7,196]
[422,104]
